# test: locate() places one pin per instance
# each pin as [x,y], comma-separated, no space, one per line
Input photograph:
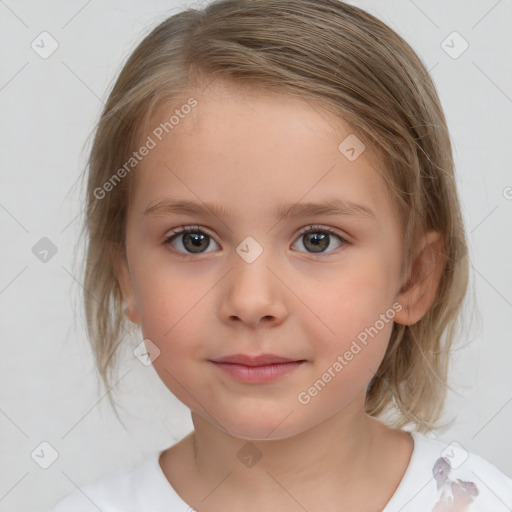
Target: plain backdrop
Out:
[49,389]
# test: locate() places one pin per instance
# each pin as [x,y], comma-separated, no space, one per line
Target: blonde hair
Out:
[353,65]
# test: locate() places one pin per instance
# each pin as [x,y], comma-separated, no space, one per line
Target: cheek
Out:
[168,294]
[353,300]
[171,324]
[347,362]
[355,320]
[169,318]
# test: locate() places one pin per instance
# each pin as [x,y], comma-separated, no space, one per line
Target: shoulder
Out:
[454,476]
[142,487]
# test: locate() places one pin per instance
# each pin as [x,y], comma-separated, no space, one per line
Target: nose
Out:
[253,294]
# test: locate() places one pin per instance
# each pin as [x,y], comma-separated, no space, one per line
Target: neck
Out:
[338,461]
[333,455]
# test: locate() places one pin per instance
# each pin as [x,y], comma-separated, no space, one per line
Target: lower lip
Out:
[258,374]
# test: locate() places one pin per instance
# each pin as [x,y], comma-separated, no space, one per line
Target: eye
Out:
[318,238]
[193,240]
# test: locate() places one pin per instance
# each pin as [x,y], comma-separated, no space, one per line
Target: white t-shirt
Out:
[440,477]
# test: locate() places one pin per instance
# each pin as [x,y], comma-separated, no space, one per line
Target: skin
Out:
[251,152]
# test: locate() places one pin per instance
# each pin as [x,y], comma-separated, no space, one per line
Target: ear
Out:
[419,291]
[124,278]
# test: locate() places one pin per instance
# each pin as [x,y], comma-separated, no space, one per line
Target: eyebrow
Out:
[330,206]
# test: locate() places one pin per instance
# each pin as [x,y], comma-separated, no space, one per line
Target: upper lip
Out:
[258,360]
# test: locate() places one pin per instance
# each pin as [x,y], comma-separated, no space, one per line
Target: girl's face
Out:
[246,280]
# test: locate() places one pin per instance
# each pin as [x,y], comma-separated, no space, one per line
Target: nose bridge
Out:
[253,291]
[251,261]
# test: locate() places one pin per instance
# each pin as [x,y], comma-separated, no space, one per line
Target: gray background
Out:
[49,391]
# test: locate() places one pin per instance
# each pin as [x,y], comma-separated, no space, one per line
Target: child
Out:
[271,198]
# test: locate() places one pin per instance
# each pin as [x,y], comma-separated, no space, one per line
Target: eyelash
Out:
[308,229]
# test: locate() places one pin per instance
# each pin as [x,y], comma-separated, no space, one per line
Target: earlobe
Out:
[124,278]
[419,292]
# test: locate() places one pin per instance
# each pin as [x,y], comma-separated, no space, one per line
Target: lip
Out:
[257,369]
[257,360]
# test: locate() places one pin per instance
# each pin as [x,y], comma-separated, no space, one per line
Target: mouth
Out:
[257,369]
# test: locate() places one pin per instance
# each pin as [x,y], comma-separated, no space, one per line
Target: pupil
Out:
[196,240]
[319,241]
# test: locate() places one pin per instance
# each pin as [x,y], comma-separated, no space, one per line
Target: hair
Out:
[350,63]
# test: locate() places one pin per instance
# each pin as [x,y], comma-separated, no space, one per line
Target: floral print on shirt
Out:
[452,495]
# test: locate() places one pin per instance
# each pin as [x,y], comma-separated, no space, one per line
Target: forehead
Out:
[245,148]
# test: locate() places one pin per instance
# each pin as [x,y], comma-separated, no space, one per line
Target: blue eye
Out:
[195,241]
